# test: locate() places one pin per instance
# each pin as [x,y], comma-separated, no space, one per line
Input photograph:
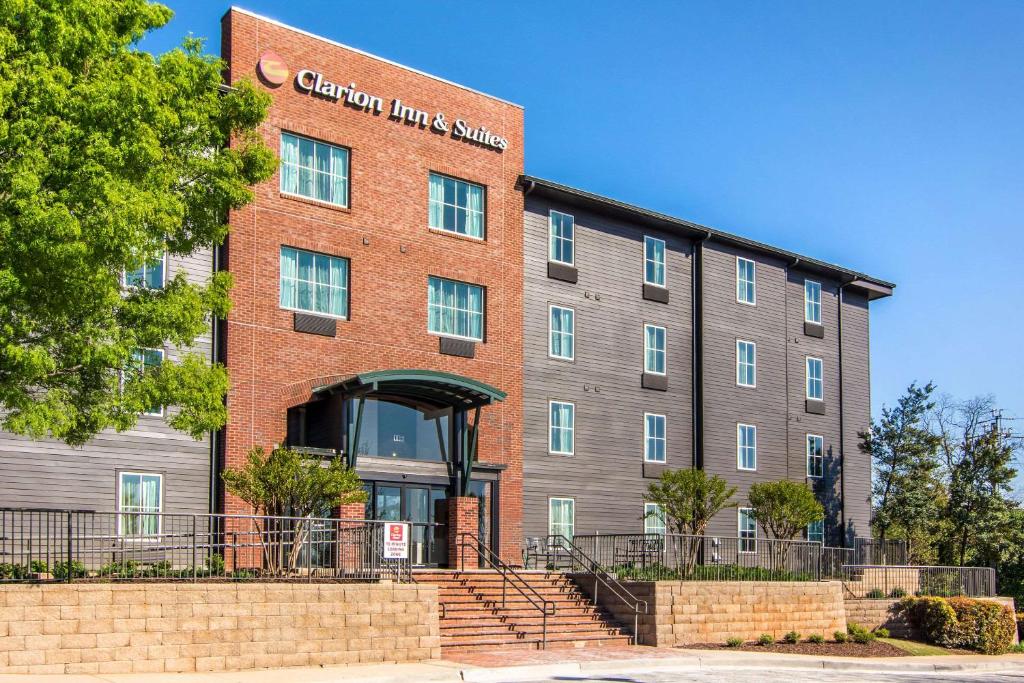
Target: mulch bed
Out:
[829,649]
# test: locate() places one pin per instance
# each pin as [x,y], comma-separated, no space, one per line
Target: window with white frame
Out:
[314,169]
[654,261]
[456,206]
[455,309]
[746,363]
[654,438]
[561,332]
[654,519]
[745,293]
[561,230]
[812,301]
[139,500]
[747,530]
[144,360]
[654,349]
[815,456]
[562,517]
[816,531]
[315,283]
[562,427]
[815,385]
[746,447]
[150,275]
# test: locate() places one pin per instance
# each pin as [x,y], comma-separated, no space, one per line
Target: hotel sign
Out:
[396,541]
[274,71]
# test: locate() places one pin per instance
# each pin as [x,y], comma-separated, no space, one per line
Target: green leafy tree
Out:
[689,499]
[110,157]
[288,486]
[784,508]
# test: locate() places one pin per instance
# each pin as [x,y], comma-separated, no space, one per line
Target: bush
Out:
[734,642]
[765,639]
[40,567]
[980,625]
[941,585]
[881,632]
[897,592]
[859,634]
[792,638]
[60,570]
[16,572]
[933,617]
[816,638]
[875,594]
[840,636]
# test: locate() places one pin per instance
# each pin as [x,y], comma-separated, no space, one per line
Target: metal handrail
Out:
[602,577]
[547,607]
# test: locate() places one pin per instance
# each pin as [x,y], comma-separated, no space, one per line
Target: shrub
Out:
[933,617]
[765,639]
[60,570]
[734,642]
[840,636]
[881,632]
[13,571]
[859,634]
[939,585]
[980,625]
[40,567]
[875,594]
[792,638]
[897,592]
[816,638]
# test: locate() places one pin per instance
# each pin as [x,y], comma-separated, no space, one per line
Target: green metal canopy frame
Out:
[431,387]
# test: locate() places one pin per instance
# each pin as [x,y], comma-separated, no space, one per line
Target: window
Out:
[654,261]
[816,531]
[654,438]
[815,456]
[146,359]
[654,519]
[314,169]
[455,309]
[654,349]
[561,331]
[149,276]
[562,517]
[747,527]
[815,389]
[316,283]
[746,363]
[456,206]
[746,447]
[745,281]
[812,301]
[140,498]
[562,421]
[561,228]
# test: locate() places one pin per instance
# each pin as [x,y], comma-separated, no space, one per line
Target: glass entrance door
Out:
[424,506]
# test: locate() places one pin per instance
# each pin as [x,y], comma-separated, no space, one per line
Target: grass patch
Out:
[912,647]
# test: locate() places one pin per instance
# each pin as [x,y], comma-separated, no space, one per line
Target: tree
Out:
[784,508]
[689,499]
[110,157]
[903,456]
[290,484]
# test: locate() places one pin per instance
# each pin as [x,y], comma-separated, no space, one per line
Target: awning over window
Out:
[440,389]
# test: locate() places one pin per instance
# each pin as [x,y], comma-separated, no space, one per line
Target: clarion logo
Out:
[272,69]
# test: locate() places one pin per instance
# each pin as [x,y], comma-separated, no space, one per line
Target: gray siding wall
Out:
[856,413]
[50,474]
[605,475]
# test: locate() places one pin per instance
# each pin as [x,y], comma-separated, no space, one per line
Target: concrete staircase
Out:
[472,616]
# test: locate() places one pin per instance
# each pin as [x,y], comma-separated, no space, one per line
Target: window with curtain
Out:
[456,206]
[747,530]
[745,281]
[654,519]
[815,456]
[455,309]
[144,360]
[815,384]
[812,301]
[561,327]
[561,231]
[746,447]
[746,363]
[140,498]
[562,423]
[314,169]
[562,517]
[149,276]
[654,349]
[654,438]
[654,261]
[313,282]
[816,531]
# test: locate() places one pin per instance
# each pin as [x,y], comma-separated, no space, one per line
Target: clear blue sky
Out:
[885,137]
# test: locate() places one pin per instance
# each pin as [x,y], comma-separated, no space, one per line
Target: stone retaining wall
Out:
[158,627]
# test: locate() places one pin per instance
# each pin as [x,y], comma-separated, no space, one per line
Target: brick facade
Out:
[462,518]
[384,235]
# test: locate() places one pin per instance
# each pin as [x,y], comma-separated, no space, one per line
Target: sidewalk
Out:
[516,665]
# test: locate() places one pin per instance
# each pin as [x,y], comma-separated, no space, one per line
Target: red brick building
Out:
[378,283]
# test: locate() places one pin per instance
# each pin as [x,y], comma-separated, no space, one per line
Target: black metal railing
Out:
[75,545]
[887,581]
[509,577]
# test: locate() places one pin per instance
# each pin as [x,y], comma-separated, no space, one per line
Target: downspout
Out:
[697,350]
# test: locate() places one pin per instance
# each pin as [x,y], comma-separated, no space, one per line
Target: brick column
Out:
[463,517]
[352,537]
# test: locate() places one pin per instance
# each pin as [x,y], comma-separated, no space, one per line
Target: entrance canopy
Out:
[439,389]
